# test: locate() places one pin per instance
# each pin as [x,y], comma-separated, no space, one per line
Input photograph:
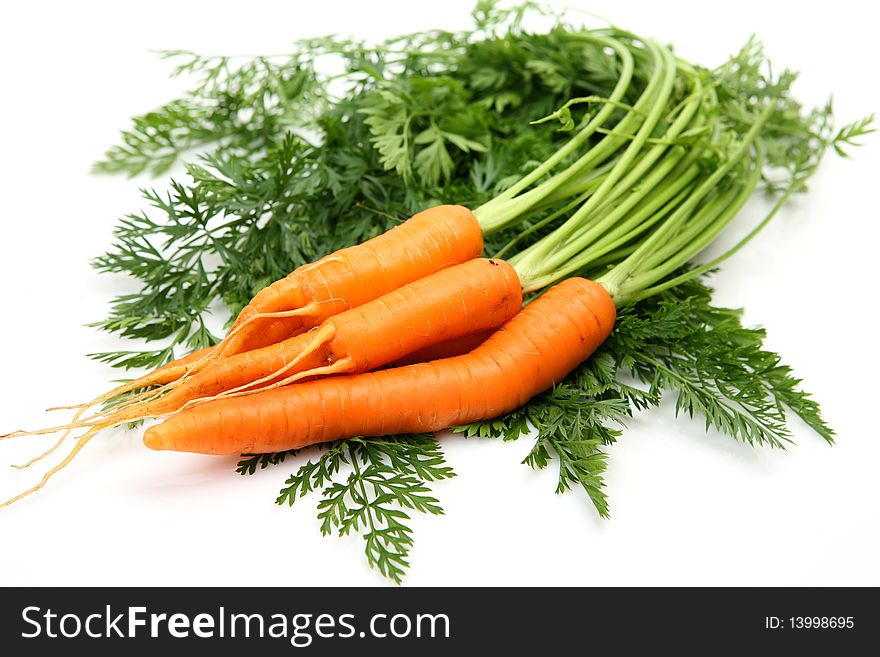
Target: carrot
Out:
[172,371]
[427,242]
[527,355]
[475,295]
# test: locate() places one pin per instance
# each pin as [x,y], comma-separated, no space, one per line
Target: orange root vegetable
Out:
[526,356]
[475,295]
[427,242]
[173,370]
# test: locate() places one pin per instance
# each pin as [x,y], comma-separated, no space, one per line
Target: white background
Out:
[687,507]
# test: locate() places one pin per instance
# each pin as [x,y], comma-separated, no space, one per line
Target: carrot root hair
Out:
[177,374]
[52,449]
[160,377]
[222,348]
[96,420]
[82,442]
[128,412]
[322,336]
[341,366]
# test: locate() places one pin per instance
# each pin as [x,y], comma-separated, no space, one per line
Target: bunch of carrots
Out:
[336,348]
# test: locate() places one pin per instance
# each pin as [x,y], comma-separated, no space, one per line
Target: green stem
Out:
[492,219]
[367,505]
[549,219]
[699,233]
[554,256]
[532,262]
[702,269]
[646,216]
[577,185]
[713,210]
[653,210]
[616,279]
[656,95]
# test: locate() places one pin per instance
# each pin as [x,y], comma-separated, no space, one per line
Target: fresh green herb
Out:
[241,103]
[250,463]
[386,477]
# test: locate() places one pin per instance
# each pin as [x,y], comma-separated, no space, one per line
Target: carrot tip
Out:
[154,440]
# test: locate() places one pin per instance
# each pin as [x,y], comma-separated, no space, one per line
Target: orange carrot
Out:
[427,242]
[527,355]
[475,295]
[170,371]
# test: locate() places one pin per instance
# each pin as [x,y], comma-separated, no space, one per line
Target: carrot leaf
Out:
[367,485]
[243,102]
[250,463]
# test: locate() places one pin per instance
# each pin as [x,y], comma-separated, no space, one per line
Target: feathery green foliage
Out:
[386,477]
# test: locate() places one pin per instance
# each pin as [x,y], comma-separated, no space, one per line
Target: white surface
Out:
[687,508]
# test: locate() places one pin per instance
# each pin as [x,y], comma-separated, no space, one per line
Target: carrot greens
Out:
[386,479]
